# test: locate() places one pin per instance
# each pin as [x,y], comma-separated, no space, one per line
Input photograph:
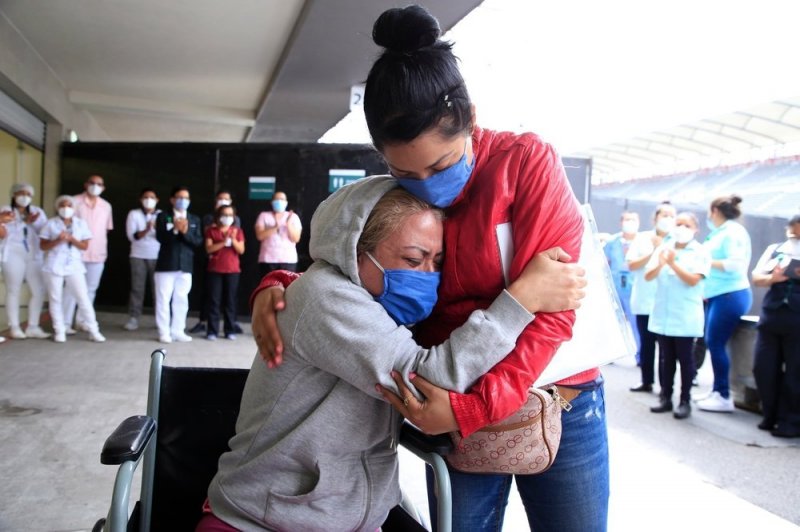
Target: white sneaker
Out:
[132,325]
[181,337]
[2,339]
[165,339]
[95,336]
[60,337]
[17,334]
[70,331]
[716,403]
[36,332]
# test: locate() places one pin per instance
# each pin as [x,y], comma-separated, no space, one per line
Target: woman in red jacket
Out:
[494,187]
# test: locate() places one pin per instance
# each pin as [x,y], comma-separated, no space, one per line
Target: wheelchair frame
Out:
[133,441]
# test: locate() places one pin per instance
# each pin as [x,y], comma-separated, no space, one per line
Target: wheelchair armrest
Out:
[128,441]
[411,436]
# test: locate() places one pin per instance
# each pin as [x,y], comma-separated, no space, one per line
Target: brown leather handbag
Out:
[525,443]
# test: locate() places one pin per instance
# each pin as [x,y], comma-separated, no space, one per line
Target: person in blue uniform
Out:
[678,268]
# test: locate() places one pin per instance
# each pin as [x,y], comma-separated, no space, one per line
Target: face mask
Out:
[182,203]
[226,220]
[442,188]
[66,212]
[710,224]
[223,202]
[665,225]
[408,295]
[95,190]
[630,226]
[22,201]
[279,205]
[149,203]
[683,235]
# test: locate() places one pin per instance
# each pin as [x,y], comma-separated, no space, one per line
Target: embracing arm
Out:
[545,215]
[348,334]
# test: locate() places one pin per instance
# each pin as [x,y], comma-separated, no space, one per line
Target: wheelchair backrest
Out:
[196,417]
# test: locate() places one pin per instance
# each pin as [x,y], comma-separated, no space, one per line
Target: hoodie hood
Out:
[339,220]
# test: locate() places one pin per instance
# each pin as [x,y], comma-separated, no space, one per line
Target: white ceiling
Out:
[204,70]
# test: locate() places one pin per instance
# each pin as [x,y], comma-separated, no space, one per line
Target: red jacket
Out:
[517,179]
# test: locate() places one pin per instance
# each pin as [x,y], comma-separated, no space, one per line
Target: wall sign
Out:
[339,178]
[261,188]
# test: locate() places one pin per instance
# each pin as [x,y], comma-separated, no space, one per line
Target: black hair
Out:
[177,189]
[660,207]
[147,189]
[794,220]
[415,84]
[223,191]
[218,210]
[728,206]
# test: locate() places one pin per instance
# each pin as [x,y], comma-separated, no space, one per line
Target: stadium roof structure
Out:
[760,133]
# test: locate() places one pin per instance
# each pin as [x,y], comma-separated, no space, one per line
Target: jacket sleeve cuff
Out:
[469,411]
[277,278]
[510,312]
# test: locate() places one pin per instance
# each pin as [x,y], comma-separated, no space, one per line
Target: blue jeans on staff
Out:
[571,496]
[722,316]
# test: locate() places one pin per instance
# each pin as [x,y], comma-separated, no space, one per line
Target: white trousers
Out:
[17,269]
[76,287]
[172,287]
[94,271]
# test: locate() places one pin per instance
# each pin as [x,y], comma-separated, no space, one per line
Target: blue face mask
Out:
[710,224]
[279,205]
[182,203]
[442,188]
[408,295]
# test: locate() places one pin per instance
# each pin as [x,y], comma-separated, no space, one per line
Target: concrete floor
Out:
[58,403]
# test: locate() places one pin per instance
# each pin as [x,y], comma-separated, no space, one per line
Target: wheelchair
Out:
[191,415]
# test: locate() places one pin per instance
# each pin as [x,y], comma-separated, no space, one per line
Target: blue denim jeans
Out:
[722,316]
[571,496]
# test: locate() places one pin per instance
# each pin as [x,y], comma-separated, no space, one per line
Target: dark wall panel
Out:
[301,170]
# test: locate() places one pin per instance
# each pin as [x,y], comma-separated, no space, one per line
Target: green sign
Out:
[339,178]
[262,188]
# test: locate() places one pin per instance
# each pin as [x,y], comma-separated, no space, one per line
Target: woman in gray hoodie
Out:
[316,444]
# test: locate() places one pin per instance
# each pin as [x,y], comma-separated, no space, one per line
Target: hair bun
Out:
[735,200]
[406,29]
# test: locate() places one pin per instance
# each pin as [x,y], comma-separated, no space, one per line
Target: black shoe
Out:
[782,432]
[683,411]
[767,424]
[663,406]
[643,388]
[237,329]
[199,327]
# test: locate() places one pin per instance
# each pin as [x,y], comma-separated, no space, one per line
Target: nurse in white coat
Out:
[22,259]
[63,238]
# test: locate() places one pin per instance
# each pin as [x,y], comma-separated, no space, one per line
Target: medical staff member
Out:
[20,223]
[279,232]
[179,233]
[616,249]
[63,238]
[97,214]
[643,293]
[777,353]
[727,290]
[140,227]
[677,268]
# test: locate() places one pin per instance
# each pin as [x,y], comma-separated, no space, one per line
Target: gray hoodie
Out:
[316,445]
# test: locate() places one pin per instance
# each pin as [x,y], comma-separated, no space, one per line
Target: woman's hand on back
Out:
[266,305]
[549,283]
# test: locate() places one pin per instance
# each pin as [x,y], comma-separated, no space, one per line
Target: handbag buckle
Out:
[565,405]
